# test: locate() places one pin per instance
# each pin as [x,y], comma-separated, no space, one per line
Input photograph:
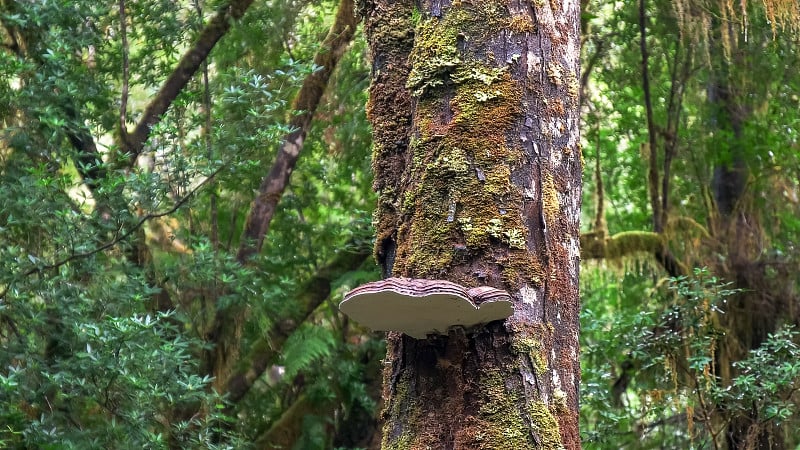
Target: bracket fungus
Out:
[419,307]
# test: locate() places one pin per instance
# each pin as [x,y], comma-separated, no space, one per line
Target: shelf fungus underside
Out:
[419,307]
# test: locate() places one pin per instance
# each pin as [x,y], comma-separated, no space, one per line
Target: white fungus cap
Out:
[419,307]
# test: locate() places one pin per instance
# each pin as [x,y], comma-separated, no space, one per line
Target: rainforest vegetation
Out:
[188,188]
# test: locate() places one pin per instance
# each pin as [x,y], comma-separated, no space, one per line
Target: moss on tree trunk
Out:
[478,166]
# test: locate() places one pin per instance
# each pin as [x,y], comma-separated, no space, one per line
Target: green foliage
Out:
[652,375]
[88,367]
[767,380]
[112,273]
[106,310]
[681,365]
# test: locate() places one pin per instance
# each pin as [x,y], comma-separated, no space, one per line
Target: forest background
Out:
[187,194]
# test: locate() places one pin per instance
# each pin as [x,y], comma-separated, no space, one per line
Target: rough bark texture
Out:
[391,34]
[489,194]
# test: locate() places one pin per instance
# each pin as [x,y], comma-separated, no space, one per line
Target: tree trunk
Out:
[478,167]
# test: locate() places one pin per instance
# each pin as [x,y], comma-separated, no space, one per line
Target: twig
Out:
[123,107]
[207,139]
[651,127]
[217,27]
[119,237]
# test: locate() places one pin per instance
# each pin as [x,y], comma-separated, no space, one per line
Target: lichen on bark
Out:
[489,195]
[459,192]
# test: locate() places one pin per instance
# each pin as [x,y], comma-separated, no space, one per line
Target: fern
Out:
[305,347]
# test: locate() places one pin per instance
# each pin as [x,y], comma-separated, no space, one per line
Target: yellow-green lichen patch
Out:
[436,56]
[559,402]
[525,346]
[521,24]
[573,87]
[402,405]
[545,426]
[555,73]
[493,115]
[550,203]
[521,267]
[450,164]
[499,423]
[498,179]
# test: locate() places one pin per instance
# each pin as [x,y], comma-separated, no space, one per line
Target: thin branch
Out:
[185,70]
[599,53]
[679,78]
[312,294]
[123,106]
[206,132]
[651,128]
[225,330]
[600,212]
[305,103]
[119,236]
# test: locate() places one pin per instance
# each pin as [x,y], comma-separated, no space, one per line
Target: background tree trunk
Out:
[489,194]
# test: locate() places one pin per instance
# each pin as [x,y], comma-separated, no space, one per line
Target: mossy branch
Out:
[595,246]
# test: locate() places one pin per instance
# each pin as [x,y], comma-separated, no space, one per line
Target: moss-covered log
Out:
[478,167]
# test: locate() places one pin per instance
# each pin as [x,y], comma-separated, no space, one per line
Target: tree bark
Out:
[489,195]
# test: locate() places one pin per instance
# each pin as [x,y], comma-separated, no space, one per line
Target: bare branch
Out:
[305,103]
[226,328]
[311,295]
[651,127]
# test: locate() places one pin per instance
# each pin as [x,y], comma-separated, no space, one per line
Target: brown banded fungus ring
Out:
[419,307]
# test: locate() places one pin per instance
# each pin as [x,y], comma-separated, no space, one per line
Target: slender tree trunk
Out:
[478,168]
[757,311]
[226,330]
